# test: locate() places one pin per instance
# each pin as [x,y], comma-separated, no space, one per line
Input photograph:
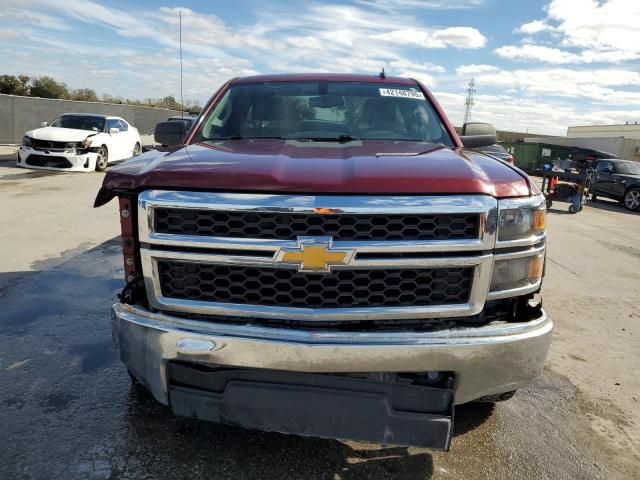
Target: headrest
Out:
[268,109]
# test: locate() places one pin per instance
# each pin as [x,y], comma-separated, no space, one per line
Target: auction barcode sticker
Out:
[394,92]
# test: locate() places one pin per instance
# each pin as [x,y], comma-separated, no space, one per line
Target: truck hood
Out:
[369,167]
[55,134]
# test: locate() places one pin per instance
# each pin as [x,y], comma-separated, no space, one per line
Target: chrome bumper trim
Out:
[486,360]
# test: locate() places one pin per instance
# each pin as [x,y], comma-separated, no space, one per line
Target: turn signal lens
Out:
[517,272]
[536,267]
[537,220]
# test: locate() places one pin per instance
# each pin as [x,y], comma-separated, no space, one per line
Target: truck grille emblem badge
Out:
[314,254]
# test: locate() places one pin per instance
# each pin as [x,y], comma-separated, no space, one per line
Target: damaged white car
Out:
[79,142]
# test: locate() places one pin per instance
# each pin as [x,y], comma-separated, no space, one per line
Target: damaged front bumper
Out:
[486,360]
[71,161]
[267,378]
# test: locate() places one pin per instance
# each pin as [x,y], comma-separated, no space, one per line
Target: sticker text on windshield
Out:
[393,92]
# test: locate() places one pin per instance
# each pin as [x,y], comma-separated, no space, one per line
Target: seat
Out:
[267,118]
[380,114]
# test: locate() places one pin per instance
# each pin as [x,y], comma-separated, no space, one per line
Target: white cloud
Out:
[535,26]
[457,37]
[541,53]
[612,24]
[391,5]
[536,116]
[597,84]
[537,53]
[473,69]
[605,31]
[36,18]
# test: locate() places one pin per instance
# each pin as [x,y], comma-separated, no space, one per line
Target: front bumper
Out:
[60,161]
[486,360]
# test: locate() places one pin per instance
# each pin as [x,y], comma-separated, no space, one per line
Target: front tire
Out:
[103,159]
[137,150]
[632,199]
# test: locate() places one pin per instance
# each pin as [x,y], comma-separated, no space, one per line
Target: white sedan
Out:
[79,142]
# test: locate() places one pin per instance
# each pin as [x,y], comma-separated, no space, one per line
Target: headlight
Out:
[520,219]
[86,143]
[27,141]
[517,272]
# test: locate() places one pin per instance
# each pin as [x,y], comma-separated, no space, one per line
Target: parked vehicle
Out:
[618,179]
[321,256]
[498,151]
[79,142]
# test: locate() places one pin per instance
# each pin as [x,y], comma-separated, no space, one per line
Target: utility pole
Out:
[469,101]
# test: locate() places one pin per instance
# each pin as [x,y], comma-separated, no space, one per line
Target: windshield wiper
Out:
[344,138]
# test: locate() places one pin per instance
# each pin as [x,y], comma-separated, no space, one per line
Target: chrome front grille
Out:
[282,287]
[290,226]
[222,267]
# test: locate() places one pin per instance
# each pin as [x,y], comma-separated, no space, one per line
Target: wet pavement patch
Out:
[14,402]
[56,401]
[30,174]
[94,355]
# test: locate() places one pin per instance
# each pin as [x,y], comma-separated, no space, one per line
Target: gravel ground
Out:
[67,408]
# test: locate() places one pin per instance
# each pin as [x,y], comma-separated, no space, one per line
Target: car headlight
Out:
[27,141]
[521,218]
[86,143]
[521,271]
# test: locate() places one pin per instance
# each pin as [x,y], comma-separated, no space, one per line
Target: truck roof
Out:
[327,77]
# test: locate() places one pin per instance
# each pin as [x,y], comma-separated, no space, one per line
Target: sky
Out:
[539,66]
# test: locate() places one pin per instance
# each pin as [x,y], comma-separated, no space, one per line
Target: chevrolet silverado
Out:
[323,255]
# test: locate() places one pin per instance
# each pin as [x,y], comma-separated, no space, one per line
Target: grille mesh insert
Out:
[338,289]
[288,226]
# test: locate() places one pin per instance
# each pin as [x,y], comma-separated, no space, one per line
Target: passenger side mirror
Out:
[44,124]
[478,134]
[169,134]
[114,130]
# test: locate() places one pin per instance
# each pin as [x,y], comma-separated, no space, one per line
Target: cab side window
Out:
[602,166]
[124,126]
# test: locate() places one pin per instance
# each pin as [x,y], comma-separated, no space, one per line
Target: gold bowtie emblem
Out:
[315,256]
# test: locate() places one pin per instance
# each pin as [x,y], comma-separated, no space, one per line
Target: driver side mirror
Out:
[114,130]
[169,134]
[478,134]
[44,124]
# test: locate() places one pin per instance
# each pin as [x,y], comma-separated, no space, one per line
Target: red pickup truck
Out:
[323,255]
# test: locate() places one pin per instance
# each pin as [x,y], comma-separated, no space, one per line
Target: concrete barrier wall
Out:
[19,114]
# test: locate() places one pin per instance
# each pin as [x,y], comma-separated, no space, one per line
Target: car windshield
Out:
[628,168]
[79,122]
[324,111]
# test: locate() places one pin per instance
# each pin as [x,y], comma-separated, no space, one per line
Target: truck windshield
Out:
[79,122]
[324,111]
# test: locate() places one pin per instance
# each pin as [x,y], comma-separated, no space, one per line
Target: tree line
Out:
[48,87]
